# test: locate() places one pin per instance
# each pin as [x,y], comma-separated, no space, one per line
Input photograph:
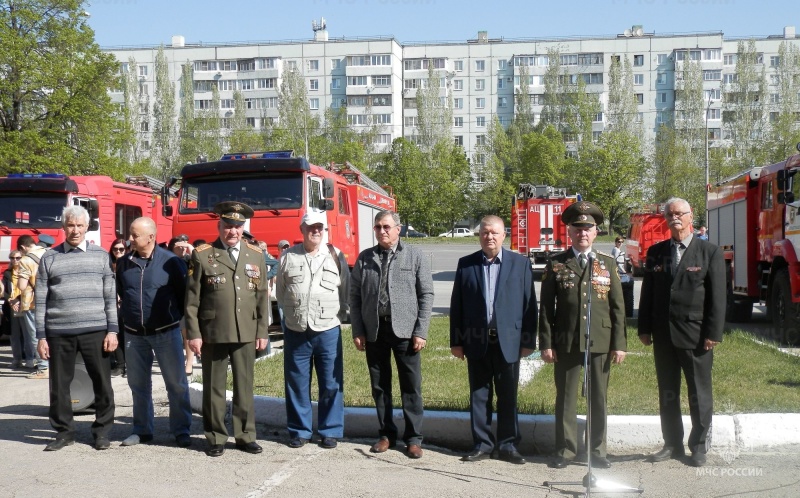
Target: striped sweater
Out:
[75,293]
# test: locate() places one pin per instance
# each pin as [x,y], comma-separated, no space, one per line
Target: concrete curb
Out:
[625,433]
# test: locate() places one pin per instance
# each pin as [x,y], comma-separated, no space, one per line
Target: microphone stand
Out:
[589,481]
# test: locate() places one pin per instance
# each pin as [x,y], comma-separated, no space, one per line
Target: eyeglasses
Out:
[317,227]
[384,228]
[17,258]
[677,214]
[118,249]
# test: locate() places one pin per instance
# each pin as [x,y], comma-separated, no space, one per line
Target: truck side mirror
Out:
[166,211]
[327,188]
[94,225]
[94,209]
[785,197]
[326,204]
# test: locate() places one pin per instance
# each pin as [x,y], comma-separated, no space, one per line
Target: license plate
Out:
[547,242]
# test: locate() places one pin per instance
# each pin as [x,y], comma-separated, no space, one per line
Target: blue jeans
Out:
[323,351]
[168,349]
[28,325]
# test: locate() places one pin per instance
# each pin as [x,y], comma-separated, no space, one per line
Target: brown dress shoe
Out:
[414,451]
[382,445]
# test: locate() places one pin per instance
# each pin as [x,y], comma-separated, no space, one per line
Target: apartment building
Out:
[377,78]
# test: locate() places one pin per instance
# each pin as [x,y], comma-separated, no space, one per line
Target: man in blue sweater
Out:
[76,312]
[151,283]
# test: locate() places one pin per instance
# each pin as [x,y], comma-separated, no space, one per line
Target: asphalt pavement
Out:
[160,468]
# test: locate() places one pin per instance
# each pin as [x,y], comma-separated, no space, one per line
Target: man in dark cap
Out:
[46,240]
[570,279]
[227,302]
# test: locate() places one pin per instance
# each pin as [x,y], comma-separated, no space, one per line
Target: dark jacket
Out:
[514,307]
[689,307]
[152,291]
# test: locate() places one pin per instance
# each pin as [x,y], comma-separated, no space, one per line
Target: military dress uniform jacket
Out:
[226,301]
[564,299]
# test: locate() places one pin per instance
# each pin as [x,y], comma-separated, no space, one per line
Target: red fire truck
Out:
[648,227]
[536,227]
[281,188]
[31,204]
[753,218]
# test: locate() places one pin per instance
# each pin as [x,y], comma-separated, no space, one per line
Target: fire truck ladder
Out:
[522,228]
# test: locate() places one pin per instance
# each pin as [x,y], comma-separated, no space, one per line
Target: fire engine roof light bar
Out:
[275,154]
[57,176]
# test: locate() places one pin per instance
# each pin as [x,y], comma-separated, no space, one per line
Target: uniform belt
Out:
[492,332]
[385,318]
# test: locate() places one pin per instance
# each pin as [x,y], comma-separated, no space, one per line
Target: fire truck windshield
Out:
[34,210]
[262,191]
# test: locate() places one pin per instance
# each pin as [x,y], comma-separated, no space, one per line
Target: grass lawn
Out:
[748,378]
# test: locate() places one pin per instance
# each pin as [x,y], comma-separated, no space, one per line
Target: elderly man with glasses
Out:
[391,298]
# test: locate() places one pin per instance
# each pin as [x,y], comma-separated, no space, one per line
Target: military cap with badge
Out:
[584,214]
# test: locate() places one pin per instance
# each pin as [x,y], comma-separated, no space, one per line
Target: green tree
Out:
[296,124]
[494,195]
[165,151]
[523,109]
[541,160]
[400,168]
[434,112]
[622,106]
[135,105]
[744,107]
[784,133]
[449,183]
[55,111]
[244,137]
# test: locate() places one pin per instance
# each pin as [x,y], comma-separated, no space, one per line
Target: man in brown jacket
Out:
[227,303]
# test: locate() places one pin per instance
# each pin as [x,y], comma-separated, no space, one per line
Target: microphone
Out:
[592,256]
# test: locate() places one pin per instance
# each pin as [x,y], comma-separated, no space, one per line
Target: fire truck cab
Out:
[536,227]
[32,204]
[281,188]
[648,227]
[754,218]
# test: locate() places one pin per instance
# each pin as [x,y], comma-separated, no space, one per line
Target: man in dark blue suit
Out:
[493,318]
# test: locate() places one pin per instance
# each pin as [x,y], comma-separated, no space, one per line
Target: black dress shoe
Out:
[599,462]
[183,440]
[216,450]
[102,443]
[698,459]
[252,447]
[559,463]
[298,442]
[476,456]
[511,456]
[666,453]
[58,444]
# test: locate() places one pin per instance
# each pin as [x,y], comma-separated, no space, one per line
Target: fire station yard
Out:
[750,376]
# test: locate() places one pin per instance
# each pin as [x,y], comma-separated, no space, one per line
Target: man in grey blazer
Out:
[391,297]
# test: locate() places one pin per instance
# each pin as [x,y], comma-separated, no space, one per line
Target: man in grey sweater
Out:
[76,312]
[391,298]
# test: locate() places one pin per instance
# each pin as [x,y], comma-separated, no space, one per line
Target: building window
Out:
[336,83]
[714,133]
[266,83]
[774,98]
[205,66]
[640,117]
[202,104]
[458,85]
[410,121]
[596,136]
[457,103]
[227,104]
[774,79]
[774,61]
[227,65]
[502,102]
[357,81]
[712,94]
[382,80]
[381,100]
[291,65]
[730,59]
[142,70]
[569,60]
[459,140]
[638,79]
[480,159]
[336,64]
[712,75]
[145,126]
[251,122]
[313,104]
[729,78]
[480,65]
[662,59]
[662,97]
[480,84]
[712,54]
[502,64]
[458,122]
[639,98]
[458,65]
[480,140]
[480,121]
[661,79]
[313,85]
[638,60]
[480,102]
[593,78]
[313,65]
[662,117]
[245,85]
[598,118]
[714,113]
[501,83]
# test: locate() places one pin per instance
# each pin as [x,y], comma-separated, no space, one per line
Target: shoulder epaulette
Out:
[254,247]
[601,253]
[203,247]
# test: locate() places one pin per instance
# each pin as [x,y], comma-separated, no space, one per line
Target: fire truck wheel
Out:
[785,313]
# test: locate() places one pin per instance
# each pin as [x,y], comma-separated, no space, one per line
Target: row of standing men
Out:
[494,316]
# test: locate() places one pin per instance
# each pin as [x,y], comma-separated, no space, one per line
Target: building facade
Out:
[377,78]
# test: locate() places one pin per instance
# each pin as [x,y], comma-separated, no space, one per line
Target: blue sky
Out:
[150,22]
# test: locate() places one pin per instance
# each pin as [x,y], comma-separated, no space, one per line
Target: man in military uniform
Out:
[227,302]
[570,279]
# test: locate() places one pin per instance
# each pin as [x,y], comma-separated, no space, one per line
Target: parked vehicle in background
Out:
[408,231]
[536,227]
[281,188]
[31,204]
[648,227]
[753,218]
[458,232]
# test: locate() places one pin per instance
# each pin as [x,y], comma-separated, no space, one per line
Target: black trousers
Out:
[489,376]
[63,351]
[409,376]
[695,364]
